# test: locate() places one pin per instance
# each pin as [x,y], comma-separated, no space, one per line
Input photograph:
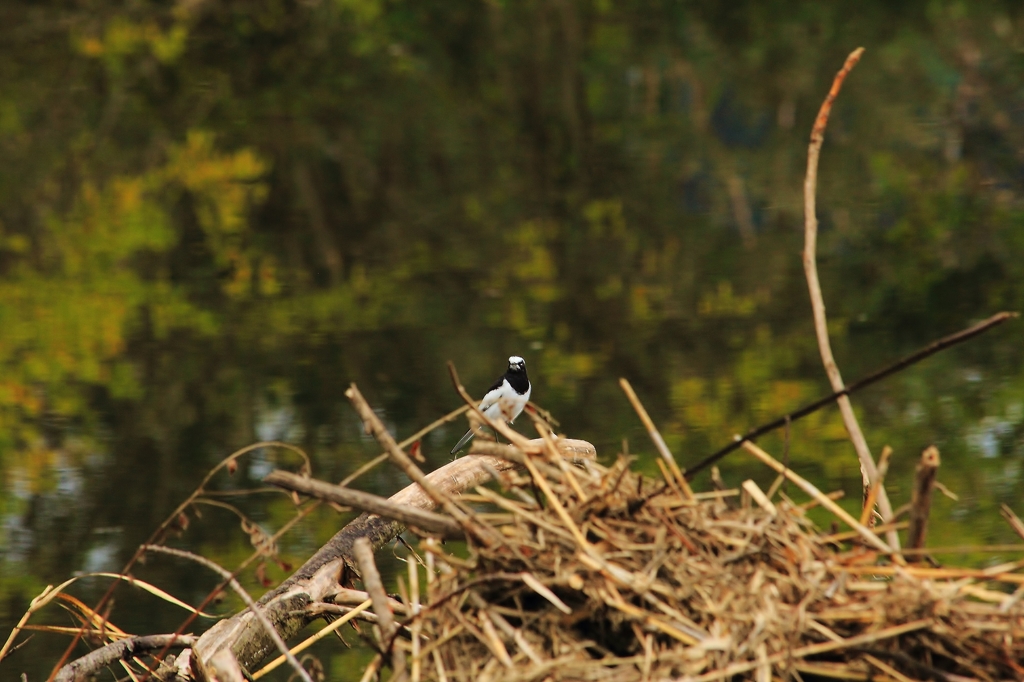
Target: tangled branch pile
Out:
[601,575]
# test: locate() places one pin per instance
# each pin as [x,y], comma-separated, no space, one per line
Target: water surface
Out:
[214,218]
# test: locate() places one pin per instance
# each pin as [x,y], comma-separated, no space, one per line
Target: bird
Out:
[505,399]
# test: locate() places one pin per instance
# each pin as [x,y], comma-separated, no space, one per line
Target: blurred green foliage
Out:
[215,215]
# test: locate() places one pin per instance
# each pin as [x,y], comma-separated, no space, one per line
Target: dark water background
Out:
[214,217]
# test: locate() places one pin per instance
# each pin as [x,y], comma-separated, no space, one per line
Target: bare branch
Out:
[121,650]
[425,520]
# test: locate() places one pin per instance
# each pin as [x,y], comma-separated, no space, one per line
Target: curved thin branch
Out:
[867,465]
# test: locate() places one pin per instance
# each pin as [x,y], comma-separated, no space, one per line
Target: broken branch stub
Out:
[921,497]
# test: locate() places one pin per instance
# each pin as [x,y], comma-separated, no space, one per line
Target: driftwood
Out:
[317,579]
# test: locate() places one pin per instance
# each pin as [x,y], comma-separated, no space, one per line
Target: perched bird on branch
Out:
[505,399]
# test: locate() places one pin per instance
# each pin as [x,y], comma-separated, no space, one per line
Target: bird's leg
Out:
[497,438]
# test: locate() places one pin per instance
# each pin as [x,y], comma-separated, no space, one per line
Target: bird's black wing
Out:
[496,384]
[485,404]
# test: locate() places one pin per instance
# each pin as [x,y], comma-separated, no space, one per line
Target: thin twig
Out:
[375,588]
[302,646]
[383,457]
[414,609]
[544,414]
[1012,519]
[37,603]
[372,669]
[912,359]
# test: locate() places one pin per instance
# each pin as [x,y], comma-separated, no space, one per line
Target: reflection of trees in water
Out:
[233,209]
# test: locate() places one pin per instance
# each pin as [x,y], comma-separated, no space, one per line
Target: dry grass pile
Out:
[601,575]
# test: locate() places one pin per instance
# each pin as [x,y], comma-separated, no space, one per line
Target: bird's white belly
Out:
[507,404]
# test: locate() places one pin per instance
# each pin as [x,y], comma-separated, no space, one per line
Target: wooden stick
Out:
[887,669]
[966,549]
[758,496]
[921,497]
[414,610]
[655,436]
[411,516]
[823,499]
[570,448]
[375,588]
[939,573]
[1012,519]
[570,525]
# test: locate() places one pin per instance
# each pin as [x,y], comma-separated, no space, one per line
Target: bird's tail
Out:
[462,443]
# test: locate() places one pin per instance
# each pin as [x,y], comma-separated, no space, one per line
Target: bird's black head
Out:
[516,364]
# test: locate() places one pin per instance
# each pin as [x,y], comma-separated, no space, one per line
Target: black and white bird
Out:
[505,399]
